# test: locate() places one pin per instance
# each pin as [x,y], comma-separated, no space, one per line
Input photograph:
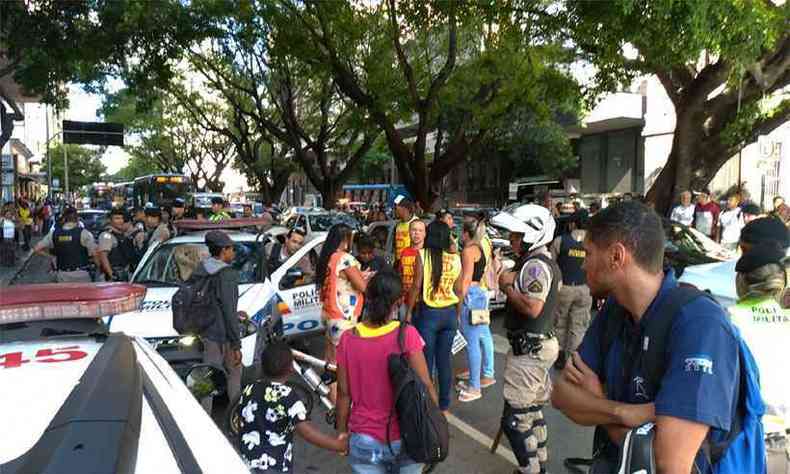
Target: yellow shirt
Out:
[488,253]
[444,296]
[24,216]
[402,238]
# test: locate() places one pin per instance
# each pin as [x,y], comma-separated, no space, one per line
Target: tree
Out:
[407,62]
[138,165]
[85,166]
[719,62]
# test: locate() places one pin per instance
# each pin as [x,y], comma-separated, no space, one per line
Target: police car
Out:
[76,398]
[167,264]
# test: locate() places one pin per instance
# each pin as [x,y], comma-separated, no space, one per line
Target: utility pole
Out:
[66,169]
[46,154]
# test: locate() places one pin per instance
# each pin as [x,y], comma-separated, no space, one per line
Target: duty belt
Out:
[527,343]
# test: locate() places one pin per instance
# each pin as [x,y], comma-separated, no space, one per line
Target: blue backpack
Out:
[743,448]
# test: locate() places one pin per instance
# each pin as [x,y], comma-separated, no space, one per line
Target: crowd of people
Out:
[20,220]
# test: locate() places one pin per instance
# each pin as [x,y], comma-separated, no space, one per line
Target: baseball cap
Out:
[764,230]
[217,200]
[759,256]
[402,200]
[217,238]
[751,209]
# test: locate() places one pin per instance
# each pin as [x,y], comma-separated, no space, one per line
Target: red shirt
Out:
[365,361]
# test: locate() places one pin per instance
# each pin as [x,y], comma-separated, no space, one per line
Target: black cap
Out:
[178,202]
[153,211]
[217,200]
[759,256]
[766,230]
[217,238]
[751,209]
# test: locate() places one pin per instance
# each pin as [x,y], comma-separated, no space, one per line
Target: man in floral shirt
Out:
[270,413]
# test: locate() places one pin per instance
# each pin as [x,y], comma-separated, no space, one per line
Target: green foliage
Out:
[138,165]
[374,167]
[85,166]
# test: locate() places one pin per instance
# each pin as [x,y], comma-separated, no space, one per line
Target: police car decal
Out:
[11,360]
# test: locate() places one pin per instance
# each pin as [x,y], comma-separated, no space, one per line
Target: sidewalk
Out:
[8,273]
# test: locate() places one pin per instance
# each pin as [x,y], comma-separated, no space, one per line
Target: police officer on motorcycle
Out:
[116,252]
[73,247]
[532,290]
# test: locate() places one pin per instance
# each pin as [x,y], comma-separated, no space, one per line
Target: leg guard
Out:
[518,426]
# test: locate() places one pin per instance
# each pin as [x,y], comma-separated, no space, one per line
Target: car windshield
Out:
[174,263]
[92,219]
[691,240]
[323,222]
[28,331]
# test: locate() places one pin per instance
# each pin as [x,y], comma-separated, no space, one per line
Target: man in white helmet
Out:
[532,288]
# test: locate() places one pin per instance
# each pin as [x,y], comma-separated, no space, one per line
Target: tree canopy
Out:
[85,166]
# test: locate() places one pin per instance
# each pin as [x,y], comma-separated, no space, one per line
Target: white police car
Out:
[166,264]
[718,279]
[76,398]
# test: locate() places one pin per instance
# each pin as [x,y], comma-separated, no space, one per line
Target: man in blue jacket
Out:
[697,398]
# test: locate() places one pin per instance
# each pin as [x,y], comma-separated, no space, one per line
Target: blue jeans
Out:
[438,326]
[476,336]
[367,455]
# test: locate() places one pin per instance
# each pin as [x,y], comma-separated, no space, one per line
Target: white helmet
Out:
[535,222]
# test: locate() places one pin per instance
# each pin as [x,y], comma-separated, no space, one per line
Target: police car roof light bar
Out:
[237,223]
[68,301]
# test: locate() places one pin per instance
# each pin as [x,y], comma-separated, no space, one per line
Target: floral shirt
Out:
[270,412]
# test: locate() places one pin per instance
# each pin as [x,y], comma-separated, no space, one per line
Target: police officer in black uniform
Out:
[116,252]
[532,289]
[73,246]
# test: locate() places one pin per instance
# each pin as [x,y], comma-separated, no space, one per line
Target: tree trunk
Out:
[330,192]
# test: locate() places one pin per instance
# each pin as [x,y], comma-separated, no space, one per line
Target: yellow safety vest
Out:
[444,296]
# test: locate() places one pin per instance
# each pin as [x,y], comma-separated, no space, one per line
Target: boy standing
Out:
[270,413]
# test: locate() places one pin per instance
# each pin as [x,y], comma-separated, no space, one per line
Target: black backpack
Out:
[195,304]
[653,356]
[424,432]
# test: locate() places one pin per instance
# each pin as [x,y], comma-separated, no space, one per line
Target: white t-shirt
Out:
[8,228]
[684,215]
[731,223]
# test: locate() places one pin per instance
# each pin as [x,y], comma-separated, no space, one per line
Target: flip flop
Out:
[487,384]
[467,396]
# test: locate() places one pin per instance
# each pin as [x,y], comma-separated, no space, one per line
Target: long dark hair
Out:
[437,241]
[337,235]
[383,291]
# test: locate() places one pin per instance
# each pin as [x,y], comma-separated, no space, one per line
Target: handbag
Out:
[477,301]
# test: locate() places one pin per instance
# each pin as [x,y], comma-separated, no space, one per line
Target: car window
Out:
[175,263]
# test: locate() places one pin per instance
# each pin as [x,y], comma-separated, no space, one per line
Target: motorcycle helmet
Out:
[534,221]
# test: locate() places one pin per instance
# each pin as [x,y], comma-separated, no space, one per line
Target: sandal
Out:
[469,396]
[486,382]
[462,375]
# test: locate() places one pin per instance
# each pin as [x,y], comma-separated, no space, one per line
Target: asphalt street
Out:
[473,426]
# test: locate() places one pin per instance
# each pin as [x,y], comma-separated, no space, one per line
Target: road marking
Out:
[481,438]
[501,344]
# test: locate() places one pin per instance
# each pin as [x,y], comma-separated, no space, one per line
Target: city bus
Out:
[160,189]
[100,195]
[123,194]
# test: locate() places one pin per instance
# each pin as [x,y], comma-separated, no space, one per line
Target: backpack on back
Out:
[424,432]
[195,304]
[734,453]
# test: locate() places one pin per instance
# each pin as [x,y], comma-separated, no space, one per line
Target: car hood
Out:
[41,384]
[717,278]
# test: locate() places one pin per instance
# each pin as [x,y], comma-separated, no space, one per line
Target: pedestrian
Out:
[341,286]
[572,314]
[404,211]
[761,280]
[437,279]
[222,340]
[706,215]
[611,382]
[73,246]
[730,223]
[366,401]
[116,251]
[271,411]
[750,212]
[444,215]
[781,210]
[26,222]
[177,213]
[368,260]
[683,212]
[156,231]
[532,290]
[474,316]
[218,212]
[408,260]
[7,238]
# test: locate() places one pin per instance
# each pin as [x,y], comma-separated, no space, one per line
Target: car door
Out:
[299,306]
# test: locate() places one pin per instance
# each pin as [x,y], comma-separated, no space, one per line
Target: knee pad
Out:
[517,425]
[636,454]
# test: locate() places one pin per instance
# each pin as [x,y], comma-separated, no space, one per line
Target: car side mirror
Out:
[294,274]
[205,380]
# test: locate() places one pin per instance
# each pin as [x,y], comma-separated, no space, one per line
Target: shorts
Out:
[336,327]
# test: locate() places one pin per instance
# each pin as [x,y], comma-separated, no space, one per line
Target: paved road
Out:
[473,425]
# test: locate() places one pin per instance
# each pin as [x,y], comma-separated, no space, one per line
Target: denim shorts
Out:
[367,455]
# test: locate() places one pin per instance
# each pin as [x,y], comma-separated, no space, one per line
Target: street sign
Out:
[92,133]
[512,191]
[55,183]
